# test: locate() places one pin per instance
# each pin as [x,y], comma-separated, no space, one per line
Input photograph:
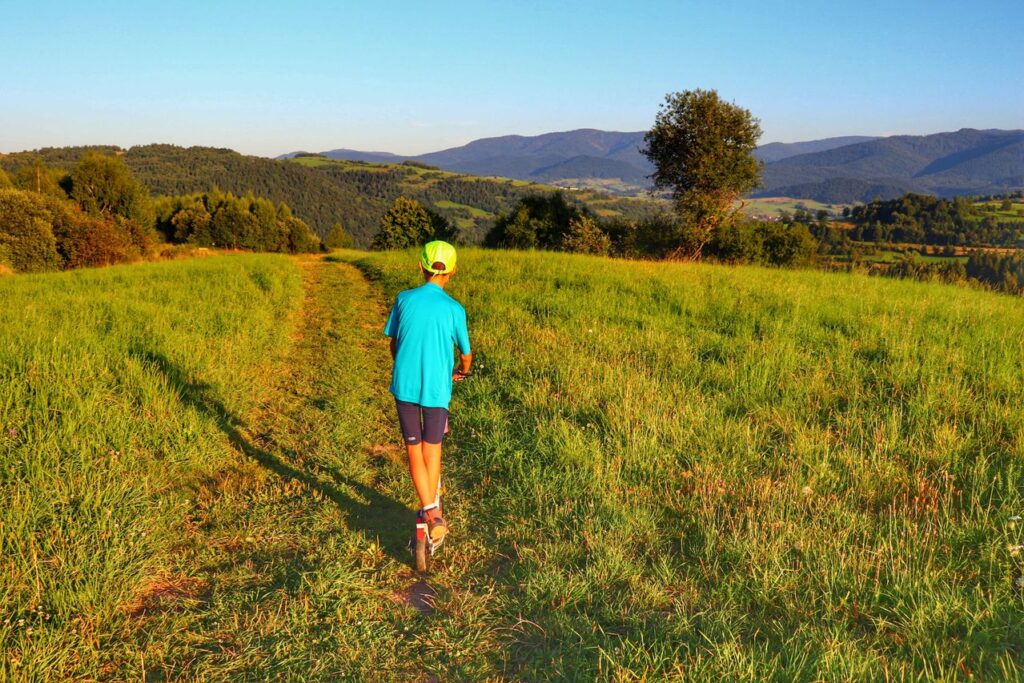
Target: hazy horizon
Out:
[266,79]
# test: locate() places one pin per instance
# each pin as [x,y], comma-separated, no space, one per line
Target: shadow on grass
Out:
[367,511]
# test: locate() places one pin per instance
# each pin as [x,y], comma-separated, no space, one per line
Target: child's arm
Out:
[462,341]
[465,361]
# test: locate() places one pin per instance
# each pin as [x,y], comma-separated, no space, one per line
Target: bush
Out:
[85,241]
[337,238]
[766,242]
[585,237]
[537,221]
[26,236]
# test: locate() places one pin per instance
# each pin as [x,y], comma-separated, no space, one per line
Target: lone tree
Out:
[703,150]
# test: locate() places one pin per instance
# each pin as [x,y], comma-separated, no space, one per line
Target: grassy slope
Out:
[657,470]
[739,473]
[97,454]
[205,484]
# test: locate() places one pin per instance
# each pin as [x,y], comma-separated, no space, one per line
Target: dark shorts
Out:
[421,424]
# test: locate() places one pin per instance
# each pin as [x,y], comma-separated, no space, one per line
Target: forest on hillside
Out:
[322,194]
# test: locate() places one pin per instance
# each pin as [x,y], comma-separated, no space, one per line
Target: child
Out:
[424,325]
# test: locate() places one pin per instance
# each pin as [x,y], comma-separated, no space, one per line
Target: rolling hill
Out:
[774,151]
[833,170]
[964,162]
[324,191]
[658,471]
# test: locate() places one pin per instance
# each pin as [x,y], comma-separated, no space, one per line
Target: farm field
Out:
[774,206]
[657,471]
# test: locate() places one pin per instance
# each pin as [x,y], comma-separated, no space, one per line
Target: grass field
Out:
[657,471]
[773,206]
[994,207]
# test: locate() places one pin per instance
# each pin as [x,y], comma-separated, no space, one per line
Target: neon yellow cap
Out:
[438,252]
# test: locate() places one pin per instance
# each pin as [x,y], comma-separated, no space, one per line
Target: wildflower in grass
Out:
[808,491]
[1013,521]
[1015,549]
[1019,583]
[11,431]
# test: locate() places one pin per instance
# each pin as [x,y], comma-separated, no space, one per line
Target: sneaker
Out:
[436,526]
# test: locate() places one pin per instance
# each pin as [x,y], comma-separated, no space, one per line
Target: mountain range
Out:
[832,170]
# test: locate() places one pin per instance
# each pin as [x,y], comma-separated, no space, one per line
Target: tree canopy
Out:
[103,184]
[702,148]
[539,221]
[408,223]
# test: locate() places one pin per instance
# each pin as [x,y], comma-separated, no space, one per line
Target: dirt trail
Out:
[299,538]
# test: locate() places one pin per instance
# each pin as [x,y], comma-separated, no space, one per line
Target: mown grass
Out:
[677,470]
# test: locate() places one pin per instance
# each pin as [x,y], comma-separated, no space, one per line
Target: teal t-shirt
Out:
[427,324]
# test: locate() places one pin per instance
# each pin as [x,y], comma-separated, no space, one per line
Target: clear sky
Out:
[411,77]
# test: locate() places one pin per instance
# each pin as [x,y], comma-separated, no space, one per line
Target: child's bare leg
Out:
[421,479]
[432,463]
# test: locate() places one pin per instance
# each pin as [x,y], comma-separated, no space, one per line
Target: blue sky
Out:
[410,77]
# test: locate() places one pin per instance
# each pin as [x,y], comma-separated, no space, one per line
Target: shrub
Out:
[585,237]
[91,241]
[767,242]
[338,238]
[26,238]
[536,221]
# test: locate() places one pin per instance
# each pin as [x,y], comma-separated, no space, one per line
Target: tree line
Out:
[923,219]
[550,221]
[999,271]
[220,219]
[97,213]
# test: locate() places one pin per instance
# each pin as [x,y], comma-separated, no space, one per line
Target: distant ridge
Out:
[774,151]
[834,170]
[967,161]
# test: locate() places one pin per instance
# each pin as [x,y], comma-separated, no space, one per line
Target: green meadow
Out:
[657,471]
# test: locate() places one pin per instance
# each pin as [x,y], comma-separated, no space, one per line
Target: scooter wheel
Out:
[422,555]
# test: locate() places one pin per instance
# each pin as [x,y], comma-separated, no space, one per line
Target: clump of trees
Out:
[1002,271]
[39,233]
[220,219]
[763,242]
[408,224]
[923,219]
[551,222]
[96,214]
[540,221]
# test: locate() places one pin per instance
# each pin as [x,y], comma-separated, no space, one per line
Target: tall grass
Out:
[97,451]
[740,473]
[657,471]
